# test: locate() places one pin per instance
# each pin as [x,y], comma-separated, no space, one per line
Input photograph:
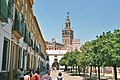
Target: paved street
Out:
[65,76]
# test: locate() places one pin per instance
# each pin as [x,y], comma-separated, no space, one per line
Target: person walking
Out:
[27,77]
[21,74]
[47,76]
[35,76]
[59,76]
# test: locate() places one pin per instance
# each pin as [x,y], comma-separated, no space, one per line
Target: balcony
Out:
[3,11]
[18,26]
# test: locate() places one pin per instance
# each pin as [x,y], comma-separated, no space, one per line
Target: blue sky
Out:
[89,18]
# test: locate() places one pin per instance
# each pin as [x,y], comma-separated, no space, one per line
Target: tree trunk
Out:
[115,72]
[65,67]
[79,69]
[84,70]
[99,72]
[71,69]
[90,72]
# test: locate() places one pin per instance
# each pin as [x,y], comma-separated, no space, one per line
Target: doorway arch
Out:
[56,64]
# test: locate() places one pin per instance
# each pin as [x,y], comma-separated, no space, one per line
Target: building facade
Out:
[22,43]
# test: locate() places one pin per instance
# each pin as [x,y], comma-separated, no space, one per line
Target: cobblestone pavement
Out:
[64,75]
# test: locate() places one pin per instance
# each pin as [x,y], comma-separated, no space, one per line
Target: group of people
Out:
[35,75]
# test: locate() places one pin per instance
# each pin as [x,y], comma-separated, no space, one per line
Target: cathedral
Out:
[68,37]
[57,50]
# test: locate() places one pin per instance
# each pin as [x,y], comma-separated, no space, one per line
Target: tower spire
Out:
[67,20]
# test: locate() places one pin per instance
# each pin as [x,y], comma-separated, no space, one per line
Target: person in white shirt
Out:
[59,76]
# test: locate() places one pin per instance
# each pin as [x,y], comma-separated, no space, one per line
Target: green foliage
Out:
[103,51]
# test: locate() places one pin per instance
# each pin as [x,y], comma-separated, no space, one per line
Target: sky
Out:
[89,18]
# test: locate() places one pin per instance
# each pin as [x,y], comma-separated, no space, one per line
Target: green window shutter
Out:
[23,26]
[27,36]
[3,10]
[32,43]
[23,30]
[10,8]
[25,33]
[36,49]
[20,27]
[29,42]
[16,21]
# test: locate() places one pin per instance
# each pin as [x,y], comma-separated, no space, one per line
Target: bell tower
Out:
[67,32]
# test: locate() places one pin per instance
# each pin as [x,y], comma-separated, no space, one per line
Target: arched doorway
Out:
[55,64]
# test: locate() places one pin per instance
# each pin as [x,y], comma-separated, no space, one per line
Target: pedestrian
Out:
[21,74]
[33,70]
[30,72]
[47,76]
[35,76]
[38,69]
[27,77]
[59,76]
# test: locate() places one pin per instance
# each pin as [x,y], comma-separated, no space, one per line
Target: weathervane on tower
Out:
[68,13]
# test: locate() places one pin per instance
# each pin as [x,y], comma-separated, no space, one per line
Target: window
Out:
[23,60]
[14,56]
[19,58]
[55,55]
[32,61]
[5,58]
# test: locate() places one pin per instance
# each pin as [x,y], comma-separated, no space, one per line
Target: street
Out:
[64,75]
